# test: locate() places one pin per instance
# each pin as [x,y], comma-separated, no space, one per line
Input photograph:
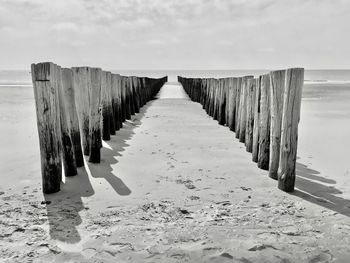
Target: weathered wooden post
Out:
[48,121]
[250,88]
[72,116]
[264,124]
[243,108]
[289,131]
[69,164]
[82,88]
[222,102]
[115,101]
[256,110]
[232,103]
[227,99]
[277,82]
[112,125]
[95,116]
[106,118]
[237,111]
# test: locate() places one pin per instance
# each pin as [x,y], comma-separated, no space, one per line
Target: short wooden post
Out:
[82,88]
[277,82]
[289,131]
[72,116]
[69,164]
[256,111]
[264,124]
[250,114]
[47,111]
[95,116]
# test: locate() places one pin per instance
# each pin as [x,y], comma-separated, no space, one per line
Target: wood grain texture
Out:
[68,89]
[95,116]
[256,130]
[82,91]
[264,124]
[277,82]
[251,86]
[47,111]
[243,108]
[289,131]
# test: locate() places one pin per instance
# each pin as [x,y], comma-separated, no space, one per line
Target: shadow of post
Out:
[63,207]
[310,190]
[118,144]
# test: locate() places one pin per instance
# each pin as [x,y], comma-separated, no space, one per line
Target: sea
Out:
[323,164]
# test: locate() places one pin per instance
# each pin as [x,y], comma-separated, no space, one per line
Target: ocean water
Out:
[323,148]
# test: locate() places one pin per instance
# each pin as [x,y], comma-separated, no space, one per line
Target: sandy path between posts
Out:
[173,186]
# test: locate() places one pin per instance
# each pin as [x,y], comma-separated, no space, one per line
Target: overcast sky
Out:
[176,34]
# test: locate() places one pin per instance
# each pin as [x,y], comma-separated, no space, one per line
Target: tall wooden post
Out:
[115,100]
[82,88]
[237,111]
[106,118]
[243,108]
[256,110]
[277,82]
[47,109]
[69,164]
[250,114]
[72,116]
[232,103]
[95,116]
[264,124]
[289,132]
[112,125]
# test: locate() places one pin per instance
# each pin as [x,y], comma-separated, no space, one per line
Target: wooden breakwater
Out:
[77,108]
[263,112]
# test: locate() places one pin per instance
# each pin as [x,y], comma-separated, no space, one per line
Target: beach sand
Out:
[173,186]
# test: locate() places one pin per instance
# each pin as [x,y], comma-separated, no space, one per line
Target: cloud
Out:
[195,33]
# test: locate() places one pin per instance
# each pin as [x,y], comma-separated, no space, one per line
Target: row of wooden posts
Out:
[263,112]
[77,108]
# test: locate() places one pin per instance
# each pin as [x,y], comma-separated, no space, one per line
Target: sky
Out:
[176,34]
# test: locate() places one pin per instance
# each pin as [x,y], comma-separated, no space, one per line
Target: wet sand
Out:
[173,186]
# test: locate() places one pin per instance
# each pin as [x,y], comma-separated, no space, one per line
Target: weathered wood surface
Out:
[106,118]
[238,99]
[277,82]
[82,90]
[256,125]
[264,124]
[227,99]
[222,102]
[251,86]
[243,108]
[232,93]
[95,116]
[289,130]
[48,122]
[69,164]
[112,125]
[68,89]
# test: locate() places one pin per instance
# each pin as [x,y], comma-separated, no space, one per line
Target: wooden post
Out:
[72,116]
[289,132]
[237,111]
[243,108]
[69,164]
[95,116]
[264,124]
[277,82]
[120,101]
[250,114]
[47,110]
[222,102]
[227,99]
[232,103]
[106,118]
[256,110]
[112,125]
[82,88]
[115,100]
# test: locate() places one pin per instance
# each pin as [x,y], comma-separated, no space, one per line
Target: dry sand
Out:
[173,186]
